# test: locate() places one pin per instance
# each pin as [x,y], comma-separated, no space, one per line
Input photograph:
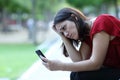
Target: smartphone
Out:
[39,53]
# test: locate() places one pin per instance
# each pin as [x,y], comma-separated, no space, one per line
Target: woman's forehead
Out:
[62,23]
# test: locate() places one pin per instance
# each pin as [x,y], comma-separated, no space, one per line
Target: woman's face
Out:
[68,28]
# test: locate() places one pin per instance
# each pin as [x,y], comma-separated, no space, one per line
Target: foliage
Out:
[96,6]
[14,5]
[81,3]
[41,9]
[47,8]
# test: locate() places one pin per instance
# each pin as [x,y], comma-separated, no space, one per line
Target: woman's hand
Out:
[59,33]
[53,65]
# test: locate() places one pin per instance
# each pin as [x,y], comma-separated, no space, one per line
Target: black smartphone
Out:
[39,53]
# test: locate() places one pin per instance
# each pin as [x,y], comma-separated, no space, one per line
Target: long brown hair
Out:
[78,18]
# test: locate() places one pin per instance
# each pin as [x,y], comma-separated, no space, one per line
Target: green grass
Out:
[15,59]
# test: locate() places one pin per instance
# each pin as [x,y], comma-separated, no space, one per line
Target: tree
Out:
[98,5]
[10,6]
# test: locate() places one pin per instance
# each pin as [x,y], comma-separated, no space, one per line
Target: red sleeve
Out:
[106,23]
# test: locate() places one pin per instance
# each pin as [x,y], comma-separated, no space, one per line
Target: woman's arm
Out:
[100,46]
[74,54]
[85,51]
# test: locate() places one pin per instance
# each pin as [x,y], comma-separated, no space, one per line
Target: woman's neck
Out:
[90,22]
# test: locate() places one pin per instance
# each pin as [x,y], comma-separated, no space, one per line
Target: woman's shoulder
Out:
[106,20]
[107,23]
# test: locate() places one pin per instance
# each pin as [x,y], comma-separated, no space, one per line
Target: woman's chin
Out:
[75,38]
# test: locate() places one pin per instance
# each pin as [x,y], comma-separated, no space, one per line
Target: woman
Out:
[98,57]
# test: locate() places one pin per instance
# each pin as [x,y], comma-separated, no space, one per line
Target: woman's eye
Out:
[63,28]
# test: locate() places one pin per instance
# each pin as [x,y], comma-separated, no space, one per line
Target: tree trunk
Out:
[34,19]
[4,21]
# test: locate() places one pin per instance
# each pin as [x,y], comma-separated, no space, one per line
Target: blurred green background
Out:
[18,42]
[15,59]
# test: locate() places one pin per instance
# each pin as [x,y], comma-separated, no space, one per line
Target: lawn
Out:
[15,59]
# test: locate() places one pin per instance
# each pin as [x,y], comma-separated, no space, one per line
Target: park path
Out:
[14,37]
[21,36]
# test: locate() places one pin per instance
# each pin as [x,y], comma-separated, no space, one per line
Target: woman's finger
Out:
[44,59]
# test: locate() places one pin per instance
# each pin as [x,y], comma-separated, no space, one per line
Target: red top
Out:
[110,25]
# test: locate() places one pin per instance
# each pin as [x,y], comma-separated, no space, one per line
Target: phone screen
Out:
[39,53]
